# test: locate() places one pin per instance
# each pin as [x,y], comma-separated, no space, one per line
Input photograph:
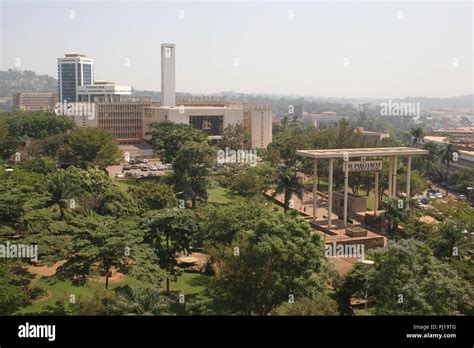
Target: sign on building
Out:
[364,166]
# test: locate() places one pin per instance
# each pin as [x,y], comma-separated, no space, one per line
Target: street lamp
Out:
[368,263]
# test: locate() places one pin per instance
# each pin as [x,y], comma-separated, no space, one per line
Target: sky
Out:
[319,48]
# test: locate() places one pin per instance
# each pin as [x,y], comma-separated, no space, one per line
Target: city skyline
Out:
[295,49]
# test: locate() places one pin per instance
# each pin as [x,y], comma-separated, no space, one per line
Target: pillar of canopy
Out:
[347,154]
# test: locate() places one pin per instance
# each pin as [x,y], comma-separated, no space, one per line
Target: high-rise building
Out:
[168,93]
[74,70]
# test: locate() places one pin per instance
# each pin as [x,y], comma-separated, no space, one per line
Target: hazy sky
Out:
[342,49]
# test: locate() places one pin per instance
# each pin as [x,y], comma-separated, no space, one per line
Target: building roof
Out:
[436,139]
[458,129]
[193,107]
[361,152]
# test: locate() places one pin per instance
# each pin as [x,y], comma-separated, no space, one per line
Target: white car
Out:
[430,196]
[439,195]
[161,167]
[152,167]
[120,175]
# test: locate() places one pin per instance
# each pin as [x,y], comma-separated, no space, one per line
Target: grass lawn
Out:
[123,185]
[187,283]
[361,311]
[218,195]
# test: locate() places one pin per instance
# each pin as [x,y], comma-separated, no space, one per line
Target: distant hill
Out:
[465,102]
[14,81]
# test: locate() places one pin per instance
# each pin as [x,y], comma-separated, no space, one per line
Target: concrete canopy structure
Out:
[362,154]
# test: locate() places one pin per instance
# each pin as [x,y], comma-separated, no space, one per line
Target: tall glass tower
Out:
[74,70]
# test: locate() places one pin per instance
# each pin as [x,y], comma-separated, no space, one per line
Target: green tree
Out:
[427,286]
[168,138]
[287,183]
[219,224]
[235,137]
[455,240]
[191,169]
[417,135]
[8,143]
[13,288]
[246,184]
[431,157]
[447,156]
[406,280]
[279,257]
[395,213]
[37,125]
[133,300]
[317,305]
[153,196]
[169,232]
[100,243]
[58,186]
[90,147]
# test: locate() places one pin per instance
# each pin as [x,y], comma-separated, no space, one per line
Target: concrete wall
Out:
[354,204]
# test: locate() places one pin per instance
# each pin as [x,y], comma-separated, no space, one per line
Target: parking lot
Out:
[138,168]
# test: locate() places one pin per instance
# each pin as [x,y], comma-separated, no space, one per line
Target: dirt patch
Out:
[45,271]
[429,219]
[342,265]
[116,276]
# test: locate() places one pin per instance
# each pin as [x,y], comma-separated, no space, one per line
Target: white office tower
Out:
[74,70]
[168,94]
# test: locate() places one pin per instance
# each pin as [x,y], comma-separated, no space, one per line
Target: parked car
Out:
[439,195]
[152,174]
[420,205]
[134,166]
[127,166]
[168,166]
[161,167]
[152,167]
[138,175]
[431,196]
[128,174]
[144,168]
[120,175]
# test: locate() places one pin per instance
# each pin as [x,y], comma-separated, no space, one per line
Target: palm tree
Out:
[417,134]
[431,156]
[447,157]
[287,183]
[394,214]
[59,189]
[132,300]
